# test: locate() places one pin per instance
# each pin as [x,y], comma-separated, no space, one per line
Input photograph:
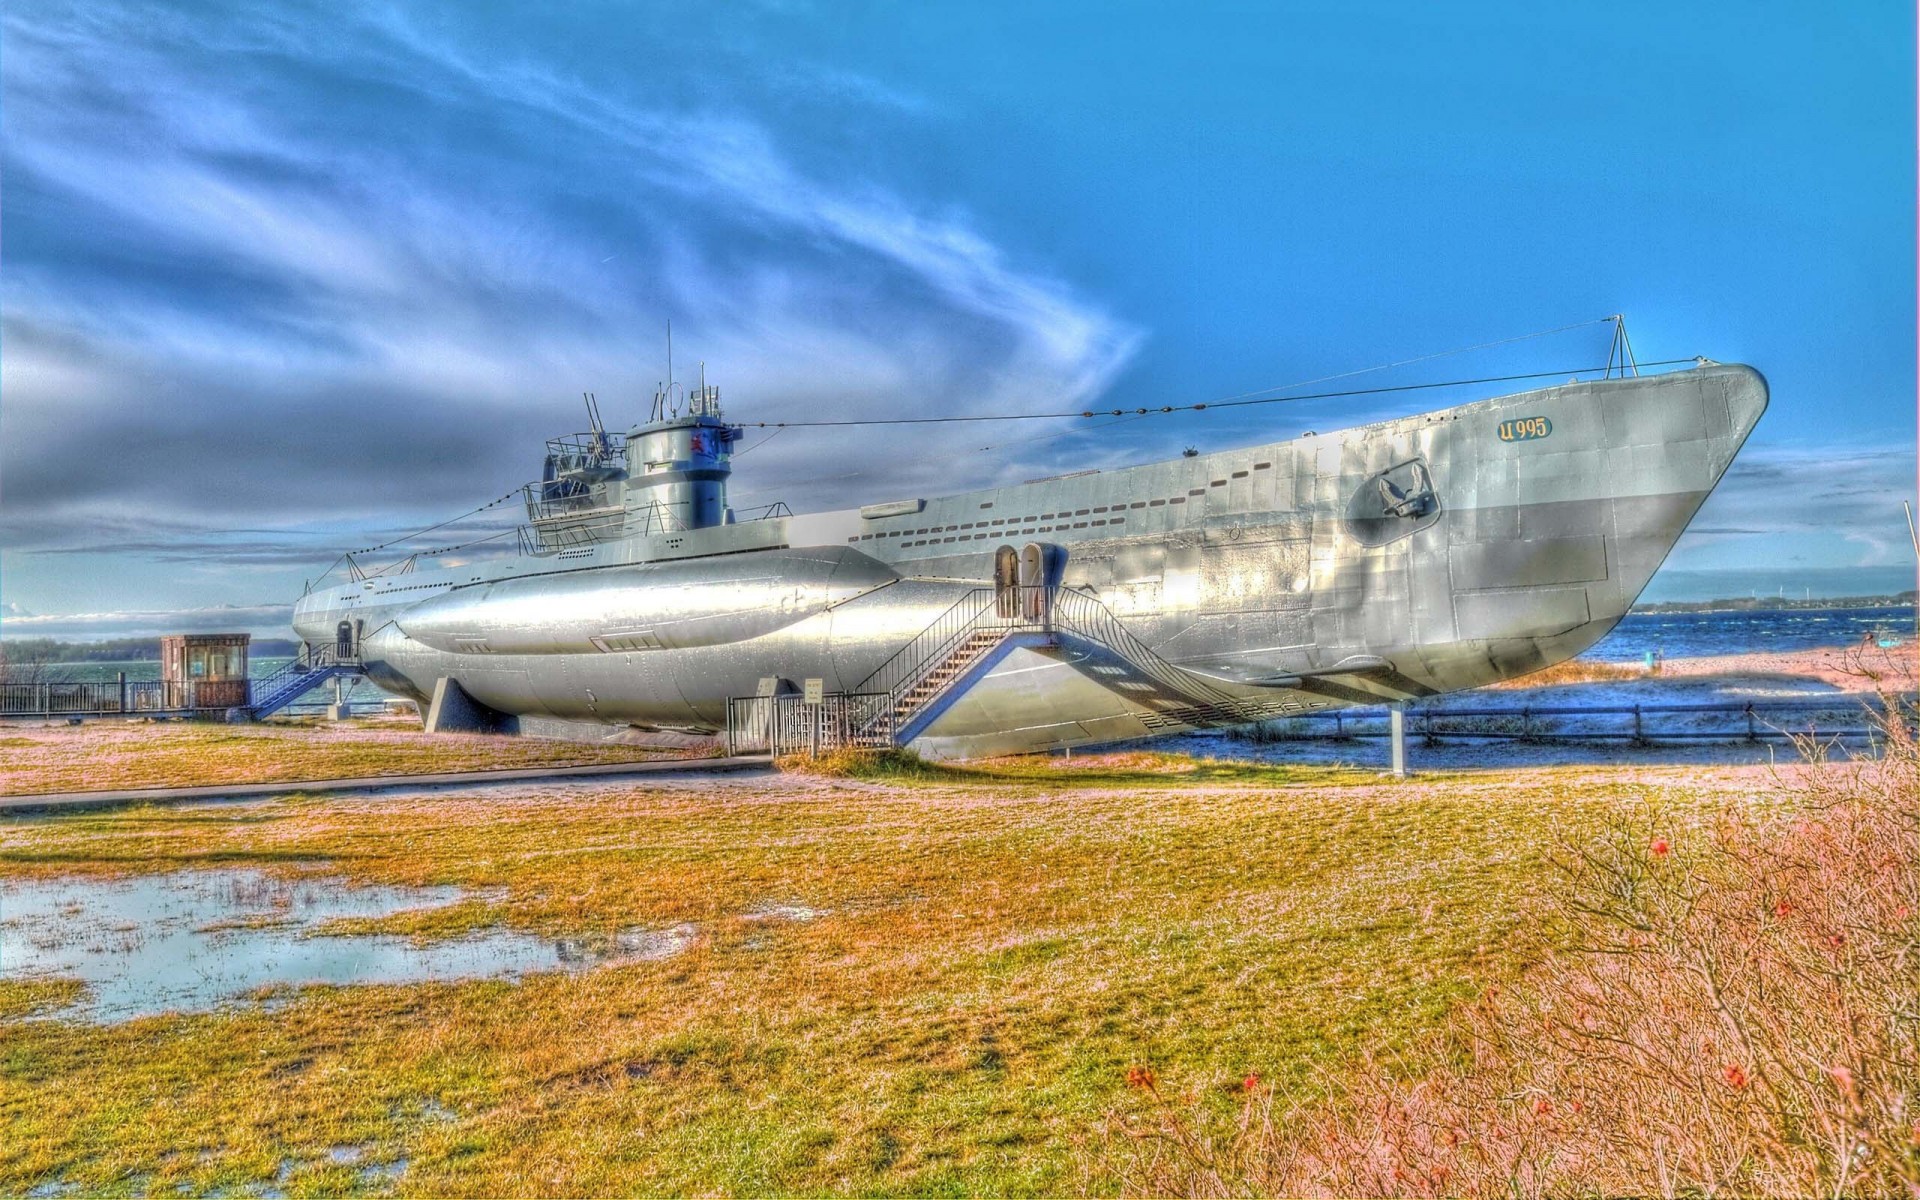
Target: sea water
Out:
[1749,631]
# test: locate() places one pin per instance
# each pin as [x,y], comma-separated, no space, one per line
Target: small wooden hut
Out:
[204,670]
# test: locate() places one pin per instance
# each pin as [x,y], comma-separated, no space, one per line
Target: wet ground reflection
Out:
[192,940]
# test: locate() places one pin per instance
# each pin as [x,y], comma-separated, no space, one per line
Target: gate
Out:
[787,724]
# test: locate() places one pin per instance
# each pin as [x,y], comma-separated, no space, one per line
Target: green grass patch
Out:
[32,997]
[899,985]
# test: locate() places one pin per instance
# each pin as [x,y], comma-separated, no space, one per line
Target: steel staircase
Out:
[953,648]
[908,692]
[310,668]
[974,634]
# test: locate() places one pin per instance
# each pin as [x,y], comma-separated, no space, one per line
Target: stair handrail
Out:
[1017,609]
[310,658]
[1076,611]
[1083,614]
[911,662]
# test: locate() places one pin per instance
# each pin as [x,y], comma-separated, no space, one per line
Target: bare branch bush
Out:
[29,668]
[1731,1006]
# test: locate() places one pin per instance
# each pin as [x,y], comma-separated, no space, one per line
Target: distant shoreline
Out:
[118,650]
[1772,604]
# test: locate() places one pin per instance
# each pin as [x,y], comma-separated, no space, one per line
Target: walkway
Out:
[55,802]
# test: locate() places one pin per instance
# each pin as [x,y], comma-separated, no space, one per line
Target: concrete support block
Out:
[339,712]
[453,711]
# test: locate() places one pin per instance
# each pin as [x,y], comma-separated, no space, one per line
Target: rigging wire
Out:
[1407,362]
[440,525]
[1617,320]
[1231,402]
[1239,400]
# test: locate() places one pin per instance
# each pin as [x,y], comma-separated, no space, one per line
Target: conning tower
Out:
[678,463]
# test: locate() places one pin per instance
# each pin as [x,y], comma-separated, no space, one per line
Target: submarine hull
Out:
[1426,554]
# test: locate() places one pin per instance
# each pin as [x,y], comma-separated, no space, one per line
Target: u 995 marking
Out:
[1525,429]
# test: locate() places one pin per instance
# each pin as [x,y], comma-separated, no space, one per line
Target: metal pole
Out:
[123,691]
[1397,721]
[1913,535]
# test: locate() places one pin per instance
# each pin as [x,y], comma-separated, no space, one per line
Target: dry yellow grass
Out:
[997,948]
[112,754]
[1574,670]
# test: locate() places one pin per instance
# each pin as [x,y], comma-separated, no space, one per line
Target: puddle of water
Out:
[192,940]
[383,1173]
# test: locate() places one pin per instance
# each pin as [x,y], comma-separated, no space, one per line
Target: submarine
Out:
[1378,564]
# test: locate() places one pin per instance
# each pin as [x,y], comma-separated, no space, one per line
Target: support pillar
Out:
[454,711]
[1397,723]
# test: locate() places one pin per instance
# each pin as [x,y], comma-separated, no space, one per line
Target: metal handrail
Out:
[102,698]
[1438,722]
[1082,613]
[1034,608]
[786,724]
[310,658]
[932,646]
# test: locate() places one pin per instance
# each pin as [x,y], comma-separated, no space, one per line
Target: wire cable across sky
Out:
[1200,407]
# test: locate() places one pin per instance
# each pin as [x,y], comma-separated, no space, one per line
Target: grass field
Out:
[116,754]
[996,948]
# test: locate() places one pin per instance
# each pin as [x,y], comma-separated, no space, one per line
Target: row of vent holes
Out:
[900,533]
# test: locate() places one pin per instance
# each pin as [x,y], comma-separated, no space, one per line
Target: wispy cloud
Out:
[323,265]
[262,620]
[1774,499]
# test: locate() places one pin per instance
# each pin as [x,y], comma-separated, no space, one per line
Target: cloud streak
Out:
[325,267]
[1777,501]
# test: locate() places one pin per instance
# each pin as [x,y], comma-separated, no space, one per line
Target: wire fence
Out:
[1757,721]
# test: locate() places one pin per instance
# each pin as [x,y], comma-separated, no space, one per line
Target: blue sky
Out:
[284,280]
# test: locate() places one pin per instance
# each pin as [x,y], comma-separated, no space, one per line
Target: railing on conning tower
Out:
[570,522]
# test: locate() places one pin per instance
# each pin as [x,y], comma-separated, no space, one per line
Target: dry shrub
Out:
[1731,1009]
[1575,670]
[851,763]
